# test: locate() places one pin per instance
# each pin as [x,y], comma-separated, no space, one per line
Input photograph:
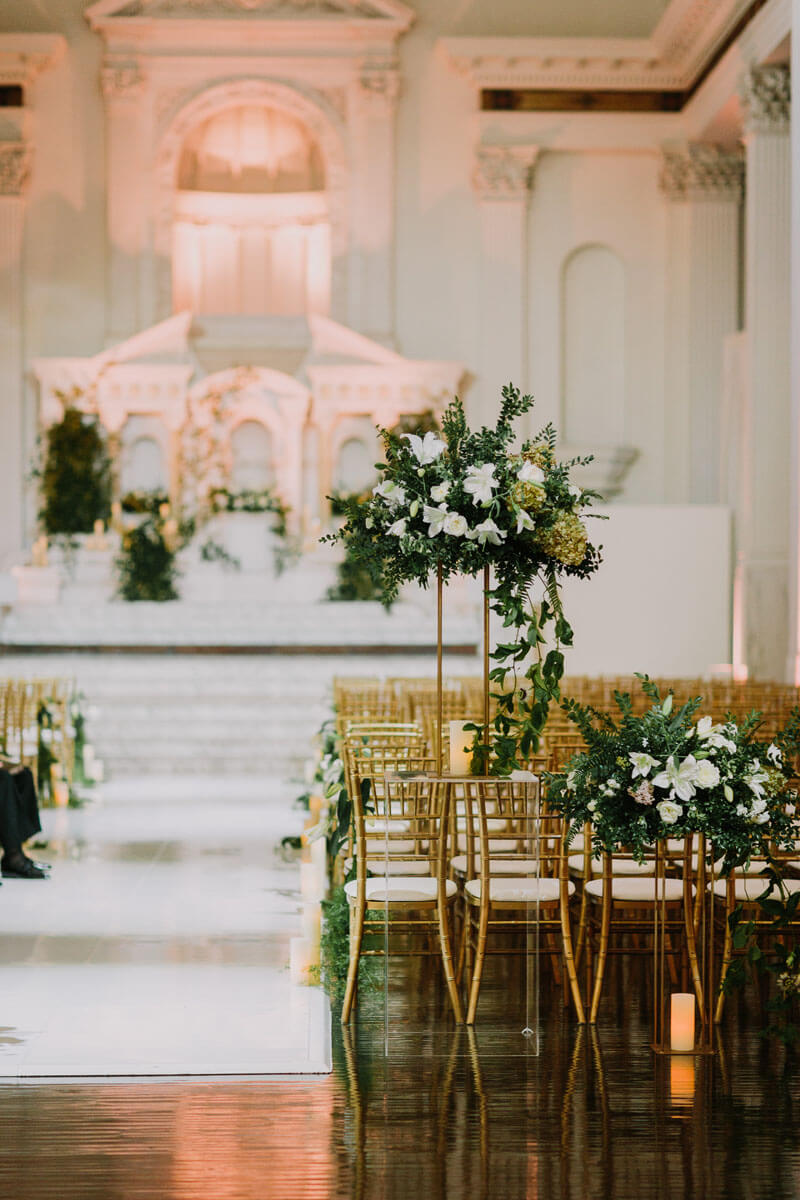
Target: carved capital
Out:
[766,94]
[504,172]
[380,82]
[122,80]
[701,172]
[15,164]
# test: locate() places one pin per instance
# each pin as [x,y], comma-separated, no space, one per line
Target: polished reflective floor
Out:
[446,1114]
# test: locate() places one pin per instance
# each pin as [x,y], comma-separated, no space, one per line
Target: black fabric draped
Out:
[19,810]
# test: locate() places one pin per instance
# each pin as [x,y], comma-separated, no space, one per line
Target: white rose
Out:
[439,492]
[455,524]
[774,754]
[530,473]
[706,774]
[669,811]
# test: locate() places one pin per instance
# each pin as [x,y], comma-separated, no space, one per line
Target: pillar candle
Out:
[681,1022]
[312,884]
[311,923]
[460,759]
[61,793]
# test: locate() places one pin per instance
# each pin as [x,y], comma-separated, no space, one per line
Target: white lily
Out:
[399,528]
[439,492]
[435,518]
[530,473]
[487,531]
[455,524]
[524,521]
[392,493]
[425,449]
[480,483]
[679,779]
[774,754]
[642,763]
[575,491]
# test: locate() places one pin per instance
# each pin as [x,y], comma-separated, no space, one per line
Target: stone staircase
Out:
[211,714]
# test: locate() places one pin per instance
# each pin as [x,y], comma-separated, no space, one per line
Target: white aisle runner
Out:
[159,945]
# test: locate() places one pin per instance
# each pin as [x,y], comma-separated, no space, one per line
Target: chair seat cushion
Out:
[497,866]
[400,890]
[518,889]
[380,825]
[750,887]
[639,888]
[619,866]
[400,866]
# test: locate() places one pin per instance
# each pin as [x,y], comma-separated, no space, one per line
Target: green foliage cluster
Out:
[467,501]
[146,566]
[75,479]
[144,502]
[661,774]
[335,949]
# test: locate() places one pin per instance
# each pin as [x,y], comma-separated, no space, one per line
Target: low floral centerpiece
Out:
[665,773]
[466,500]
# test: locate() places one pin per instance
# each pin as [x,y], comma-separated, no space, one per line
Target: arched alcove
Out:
[252,217]
[593,346]
[143,466]
[251,222]
[355,469]
[252,467]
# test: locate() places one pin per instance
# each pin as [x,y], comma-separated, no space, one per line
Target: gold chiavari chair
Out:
[516,879]
[412,905]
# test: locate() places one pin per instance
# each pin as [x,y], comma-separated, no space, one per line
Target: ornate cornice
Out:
[23,56]
[122,80]
[15,164]
[503,172]
[684,40]
[766,95]
[701,172]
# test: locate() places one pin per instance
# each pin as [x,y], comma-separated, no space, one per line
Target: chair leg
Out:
[569,961]
[357,913]
[477,970]
[602,953]
[447,960]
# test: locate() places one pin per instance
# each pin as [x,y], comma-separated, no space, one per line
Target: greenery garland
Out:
[466,501]
[146,564]
[75,478]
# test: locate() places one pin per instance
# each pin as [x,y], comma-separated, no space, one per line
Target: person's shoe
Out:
[21,868]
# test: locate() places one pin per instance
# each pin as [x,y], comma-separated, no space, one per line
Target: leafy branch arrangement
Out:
[465,501]
[663,774]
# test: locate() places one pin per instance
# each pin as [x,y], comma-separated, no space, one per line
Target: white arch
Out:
[311,109]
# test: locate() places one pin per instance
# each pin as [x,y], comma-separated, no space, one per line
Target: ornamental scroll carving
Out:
[766,94]
[504,172]
[380,82]
[15,164]
[702,172]
[122,80]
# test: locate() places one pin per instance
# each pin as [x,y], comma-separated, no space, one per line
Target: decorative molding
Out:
[23,56]
[766,95]
[15,165]
[685,38]
[380,82]
[698,171]
[119,10]
[504,172]
[122,80]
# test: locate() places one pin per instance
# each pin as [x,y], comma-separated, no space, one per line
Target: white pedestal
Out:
[37,585]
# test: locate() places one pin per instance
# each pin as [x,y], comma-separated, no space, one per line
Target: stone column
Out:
[763,517]
[371,287]
[793,671]
[14,170]
[502,181]
[123,88]
[703,189]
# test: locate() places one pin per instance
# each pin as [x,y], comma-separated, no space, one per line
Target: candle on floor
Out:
[312,915]
[681,1022]
[319,856]
[315,807]
[98,772]
[61,793]
[301,959]
[88,756]
[460,758]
